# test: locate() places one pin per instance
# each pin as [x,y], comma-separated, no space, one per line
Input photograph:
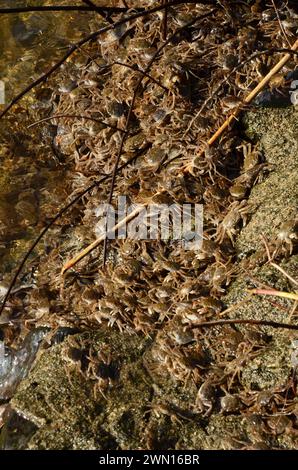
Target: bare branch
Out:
[273,324]
[66,8]
[75,116]
[282,29]
[100,11]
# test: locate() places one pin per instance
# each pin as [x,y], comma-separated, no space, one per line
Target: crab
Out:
[251,156]
[206,398]
[287,236]
[230,403]
[73,355]
[221,276]
[234,367]
[102,371]
[173,412]
[204,162]
[217,275]
[238,211]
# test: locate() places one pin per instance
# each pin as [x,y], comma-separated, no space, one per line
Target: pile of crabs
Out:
[159,288]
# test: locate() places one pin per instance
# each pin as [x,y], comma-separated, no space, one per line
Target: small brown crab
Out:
[251,156]
[102,370]
[287,236]
[237,211]
[73,355]
[206,398]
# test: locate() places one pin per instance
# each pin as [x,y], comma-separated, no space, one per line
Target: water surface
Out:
[31,176]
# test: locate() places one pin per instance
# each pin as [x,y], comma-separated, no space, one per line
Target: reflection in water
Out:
[31,176]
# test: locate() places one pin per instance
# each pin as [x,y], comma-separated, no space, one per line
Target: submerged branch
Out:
[65,8]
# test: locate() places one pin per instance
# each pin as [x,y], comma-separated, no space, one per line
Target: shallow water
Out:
[31,176]
[29,171]
[14,365]
[30,42]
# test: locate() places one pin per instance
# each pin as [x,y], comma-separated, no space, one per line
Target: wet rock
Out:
[61,402]
[14,365]
[24,35]
[16,432]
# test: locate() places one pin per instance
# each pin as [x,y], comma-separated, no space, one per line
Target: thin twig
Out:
[273,324]
[278,293]
[99,10]
[262,285]
[282,29]
[266,247]
[293,310]
[236,306]
[75,116]
[111,10]
[276,266]
[65,8]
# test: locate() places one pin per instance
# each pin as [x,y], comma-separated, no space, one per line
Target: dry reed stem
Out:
[69,264]
[286,295]
[248,99]
[249,321]
[276,266]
